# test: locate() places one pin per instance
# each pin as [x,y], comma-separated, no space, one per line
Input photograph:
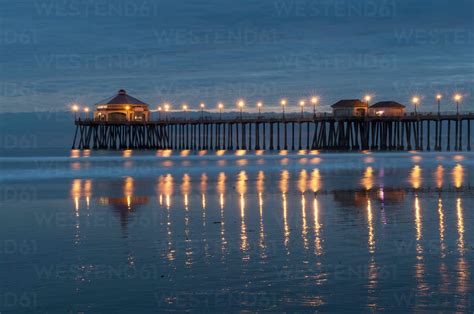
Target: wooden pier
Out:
[293,132]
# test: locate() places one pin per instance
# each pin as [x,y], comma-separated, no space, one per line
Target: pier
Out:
[327,132]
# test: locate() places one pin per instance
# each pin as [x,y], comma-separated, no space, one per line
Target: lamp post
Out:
[241,105]
[314,101]
[167,108]
[302,102]
[220,106]
[415,100]
[159,112]
[283,104]
[457,98]
[75,109]
[438,99]
[86,110]
[259,105]
[367,99]
[202,105]
[185,109]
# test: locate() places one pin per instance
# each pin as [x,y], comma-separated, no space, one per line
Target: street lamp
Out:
[167,107]
[367,99]
[220,106]
[438,99]
[302,102]
[202,105]
[283,104]
[415,100]
[241,105]
[457,98]
[86,110]
[159,112]
[259,105]
[75,109]
[314,101]
[185,109]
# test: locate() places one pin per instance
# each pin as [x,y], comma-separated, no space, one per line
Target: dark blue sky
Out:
[53,52]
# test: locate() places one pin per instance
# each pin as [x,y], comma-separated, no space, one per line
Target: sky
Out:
[56,52]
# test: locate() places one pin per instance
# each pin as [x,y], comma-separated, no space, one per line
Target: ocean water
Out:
[91,231]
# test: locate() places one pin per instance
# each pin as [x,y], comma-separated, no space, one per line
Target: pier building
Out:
[350,107]
[387,108]
[121,108]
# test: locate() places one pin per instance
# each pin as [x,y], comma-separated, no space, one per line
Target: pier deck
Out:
[420,131]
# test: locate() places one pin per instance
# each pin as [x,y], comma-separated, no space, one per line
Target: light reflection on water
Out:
[388,239]
[253,193]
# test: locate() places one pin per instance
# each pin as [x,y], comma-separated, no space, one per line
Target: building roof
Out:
[122,98]
[387,104]
[348,103]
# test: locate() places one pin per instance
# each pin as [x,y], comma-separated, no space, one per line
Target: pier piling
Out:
[320,133]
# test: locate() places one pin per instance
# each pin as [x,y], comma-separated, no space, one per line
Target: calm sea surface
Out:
[234,231]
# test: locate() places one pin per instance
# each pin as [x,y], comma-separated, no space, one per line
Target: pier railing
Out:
[420,131]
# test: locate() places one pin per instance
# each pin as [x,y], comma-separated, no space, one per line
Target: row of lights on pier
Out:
[457,98]
[241,104]
[314,101]
[283,102]
[76,108]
